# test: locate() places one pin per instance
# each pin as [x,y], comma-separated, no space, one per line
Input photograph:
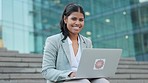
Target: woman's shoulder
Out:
[87,41]
[85,38]
[55,37]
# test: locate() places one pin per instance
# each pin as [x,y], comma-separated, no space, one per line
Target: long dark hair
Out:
[70,8]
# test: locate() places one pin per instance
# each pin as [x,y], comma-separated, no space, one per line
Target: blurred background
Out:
[25,24]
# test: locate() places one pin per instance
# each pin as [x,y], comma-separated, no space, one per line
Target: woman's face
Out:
[75,22]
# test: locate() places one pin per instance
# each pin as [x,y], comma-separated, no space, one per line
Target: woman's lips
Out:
[76,28]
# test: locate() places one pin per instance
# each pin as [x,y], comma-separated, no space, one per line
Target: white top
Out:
[74,59]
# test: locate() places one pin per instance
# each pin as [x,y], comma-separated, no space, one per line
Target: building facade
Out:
[25,24]
[16,25]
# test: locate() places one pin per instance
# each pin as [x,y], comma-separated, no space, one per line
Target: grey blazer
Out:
[56,63]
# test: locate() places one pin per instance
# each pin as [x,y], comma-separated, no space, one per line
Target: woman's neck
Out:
[73,37]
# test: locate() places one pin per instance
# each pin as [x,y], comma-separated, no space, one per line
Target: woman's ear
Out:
[65,20]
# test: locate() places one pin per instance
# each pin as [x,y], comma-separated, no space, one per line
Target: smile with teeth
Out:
[75,28]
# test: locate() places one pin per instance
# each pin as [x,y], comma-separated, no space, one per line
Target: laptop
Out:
[98,63]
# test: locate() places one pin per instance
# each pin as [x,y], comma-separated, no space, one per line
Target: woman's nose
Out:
[77,22]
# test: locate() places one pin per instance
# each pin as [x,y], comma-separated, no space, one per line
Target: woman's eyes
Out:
[74,19]
[81,19]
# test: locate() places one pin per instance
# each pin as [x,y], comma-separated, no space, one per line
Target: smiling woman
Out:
[74,22]
[73,16]
[62,52]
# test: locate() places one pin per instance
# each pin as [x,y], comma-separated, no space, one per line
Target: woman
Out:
[62,52]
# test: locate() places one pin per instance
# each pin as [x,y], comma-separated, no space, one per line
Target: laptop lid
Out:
[98,62]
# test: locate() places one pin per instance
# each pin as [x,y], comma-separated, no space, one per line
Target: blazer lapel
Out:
[82,43]
[65,46]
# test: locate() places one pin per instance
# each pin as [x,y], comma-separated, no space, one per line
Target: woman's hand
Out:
[72,74]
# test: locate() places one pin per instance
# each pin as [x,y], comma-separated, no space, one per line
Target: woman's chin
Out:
[75,33]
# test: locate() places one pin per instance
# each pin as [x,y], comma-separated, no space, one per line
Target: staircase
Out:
[131,71]
[20,68]
[26,68]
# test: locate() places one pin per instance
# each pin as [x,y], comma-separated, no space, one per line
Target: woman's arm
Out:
[49,70]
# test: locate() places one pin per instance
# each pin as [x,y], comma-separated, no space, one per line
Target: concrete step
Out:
[21,76]
[133,66]
[13,59]
[8,53]
[15,54]
[19,70]
[132,63]
[19,65]
[129,81]
[3,49]
[24,81]
[127,59]
[129,76]
[132,71]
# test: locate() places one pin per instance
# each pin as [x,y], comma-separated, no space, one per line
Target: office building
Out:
[25,24]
